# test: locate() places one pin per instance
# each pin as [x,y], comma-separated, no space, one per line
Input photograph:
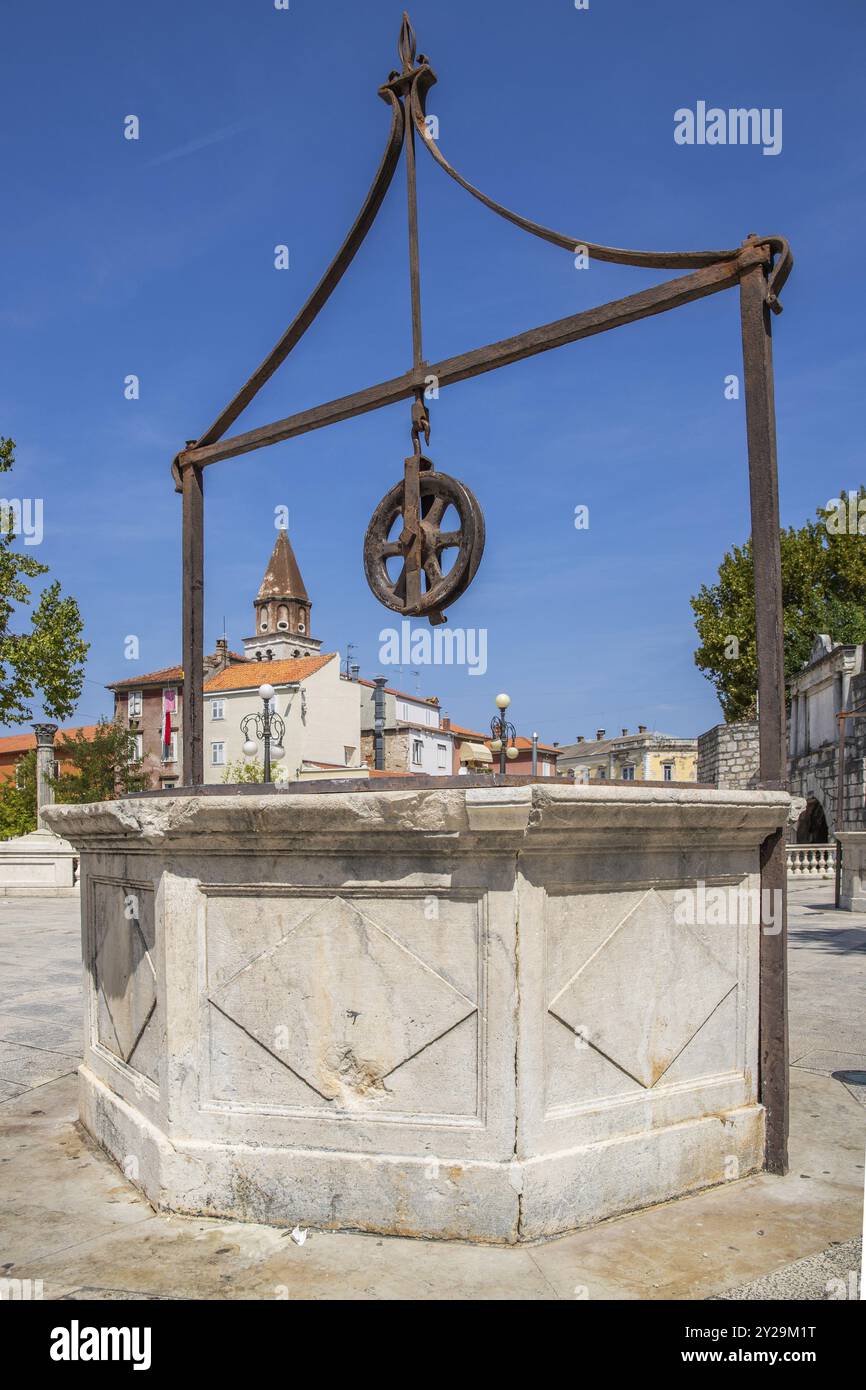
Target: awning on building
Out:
[475,753]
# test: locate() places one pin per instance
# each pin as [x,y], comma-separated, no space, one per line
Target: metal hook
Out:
[420,424]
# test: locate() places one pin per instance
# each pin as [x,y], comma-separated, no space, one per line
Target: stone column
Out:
[45,734]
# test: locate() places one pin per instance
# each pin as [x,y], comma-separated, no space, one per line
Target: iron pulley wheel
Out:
[424,547]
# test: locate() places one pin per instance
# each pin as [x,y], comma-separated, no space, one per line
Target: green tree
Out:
[102,767]
[47,661]
[18,799]
[823,590]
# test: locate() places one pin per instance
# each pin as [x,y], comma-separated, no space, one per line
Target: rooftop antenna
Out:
[351,648]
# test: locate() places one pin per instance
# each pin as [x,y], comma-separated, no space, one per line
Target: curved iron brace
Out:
[424,78]
[325,288]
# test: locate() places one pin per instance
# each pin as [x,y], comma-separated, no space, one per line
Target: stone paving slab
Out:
[35,1032]
[69,1217]
[834,1275]
[32,1066]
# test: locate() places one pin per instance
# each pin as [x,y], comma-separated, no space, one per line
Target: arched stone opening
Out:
[812,824]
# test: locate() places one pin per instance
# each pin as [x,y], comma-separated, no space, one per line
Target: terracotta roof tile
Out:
[172,674]
[401,694]
[22,743]
[521,741]
[249,675]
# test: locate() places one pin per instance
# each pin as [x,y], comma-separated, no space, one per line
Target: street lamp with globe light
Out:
[268,727]
[503,733]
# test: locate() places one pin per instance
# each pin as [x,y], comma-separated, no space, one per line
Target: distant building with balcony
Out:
[415,736]
[472,753]
[319,707]
[644,756]
[150,705]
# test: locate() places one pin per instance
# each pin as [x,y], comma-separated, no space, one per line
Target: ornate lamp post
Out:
[268,727]
[503,733]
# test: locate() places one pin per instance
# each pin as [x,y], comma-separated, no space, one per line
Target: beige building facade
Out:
[320,709]
[644,756]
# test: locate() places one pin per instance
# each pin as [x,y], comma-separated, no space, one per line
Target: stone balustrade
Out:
[811,861]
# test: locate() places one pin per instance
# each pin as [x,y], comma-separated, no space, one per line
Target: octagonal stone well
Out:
[456,1011]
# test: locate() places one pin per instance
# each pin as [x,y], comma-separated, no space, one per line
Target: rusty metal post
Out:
[193,626]
[766,554]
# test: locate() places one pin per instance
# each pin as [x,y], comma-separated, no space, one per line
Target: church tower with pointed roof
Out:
[282,610]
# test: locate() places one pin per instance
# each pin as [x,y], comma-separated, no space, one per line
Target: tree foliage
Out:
[48,661]
[18,799]
[102,767]
[823,590]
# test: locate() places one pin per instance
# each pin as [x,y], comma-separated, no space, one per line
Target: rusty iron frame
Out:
[759,267]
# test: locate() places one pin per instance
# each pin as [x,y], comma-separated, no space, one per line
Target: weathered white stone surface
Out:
[852,892]
[458,1012]
[39,864]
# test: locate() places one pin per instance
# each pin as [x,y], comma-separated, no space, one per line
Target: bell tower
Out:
[282,610]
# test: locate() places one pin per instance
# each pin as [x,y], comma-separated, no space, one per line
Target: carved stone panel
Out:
[346,1000]
[124,975]
[635,988]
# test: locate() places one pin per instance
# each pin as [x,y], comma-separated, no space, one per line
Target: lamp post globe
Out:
[267,726]
[503,734]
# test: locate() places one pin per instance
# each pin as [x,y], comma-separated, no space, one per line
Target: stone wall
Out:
[728,755]
[397,750]
[812,775]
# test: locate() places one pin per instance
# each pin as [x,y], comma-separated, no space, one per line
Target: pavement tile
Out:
[31,1066]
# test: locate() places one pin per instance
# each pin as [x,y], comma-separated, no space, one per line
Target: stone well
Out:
[457,1011]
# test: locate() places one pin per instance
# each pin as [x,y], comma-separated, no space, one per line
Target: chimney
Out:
[445,722]
[222,653]
[641,728]
[625,733]
[354,671]
[580,738]
[379,722]
[599,734]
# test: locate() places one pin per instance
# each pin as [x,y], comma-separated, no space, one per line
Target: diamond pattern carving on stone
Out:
[125,975]
[644,992]
[342,1003]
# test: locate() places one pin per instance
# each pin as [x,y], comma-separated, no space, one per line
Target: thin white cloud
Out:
[213,138]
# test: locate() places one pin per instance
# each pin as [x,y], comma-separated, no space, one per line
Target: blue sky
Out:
[260,127]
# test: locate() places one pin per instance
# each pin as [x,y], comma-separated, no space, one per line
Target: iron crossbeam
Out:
[671,294]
